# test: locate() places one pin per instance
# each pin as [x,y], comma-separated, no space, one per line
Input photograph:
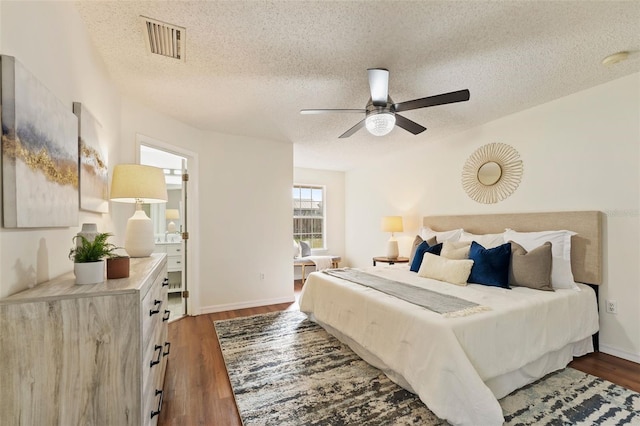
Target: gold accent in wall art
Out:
[94,173]
[492,173]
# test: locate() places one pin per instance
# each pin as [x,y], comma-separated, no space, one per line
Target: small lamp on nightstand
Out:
[171,215]
[392,224]
[135,183]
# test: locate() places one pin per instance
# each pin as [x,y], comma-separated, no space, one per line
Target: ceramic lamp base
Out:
[392,248]
[138,240]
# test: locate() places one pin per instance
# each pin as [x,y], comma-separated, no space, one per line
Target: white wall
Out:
[246,220]
[49,39]
[333,182]
[581,152]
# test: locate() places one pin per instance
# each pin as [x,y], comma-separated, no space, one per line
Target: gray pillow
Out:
[416,242]
[305,249]
[531,269]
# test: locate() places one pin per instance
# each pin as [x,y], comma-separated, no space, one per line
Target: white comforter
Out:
[446,361]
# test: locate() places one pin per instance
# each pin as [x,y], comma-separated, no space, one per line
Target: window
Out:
[308,215]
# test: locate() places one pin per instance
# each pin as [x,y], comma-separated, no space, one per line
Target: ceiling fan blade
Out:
[409,125]
[445,98]
[379,85]
[322,111]
[352,130]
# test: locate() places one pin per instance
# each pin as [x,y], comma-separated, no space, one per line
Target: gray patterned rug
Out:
[287,371]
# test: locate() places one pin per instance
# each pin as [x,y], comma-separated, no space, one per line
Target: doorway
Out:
[170,220]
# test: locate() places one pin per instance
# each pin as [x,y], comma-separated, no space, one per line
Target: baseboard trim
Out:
[619,353]
[244,305]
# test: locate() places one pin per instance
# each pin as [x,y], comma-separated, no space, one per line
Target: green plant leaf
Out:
[92,251]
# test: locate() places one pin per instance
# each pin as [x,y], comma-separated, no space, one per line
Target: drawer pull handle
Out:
[157,304]
[165,282]
[158,348]
[166,315]
[178,262]
[178,249]
[167,345]
[156,412]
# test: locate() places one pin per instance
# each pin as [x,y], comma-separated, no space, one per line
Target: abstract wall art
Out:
[94,173]
[39,152]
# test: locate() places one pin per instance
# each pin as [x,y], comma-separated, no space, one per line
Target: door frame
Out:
[193,253]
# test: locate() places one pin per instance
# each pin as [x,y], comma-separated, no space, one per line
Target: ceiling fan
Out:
[381,114]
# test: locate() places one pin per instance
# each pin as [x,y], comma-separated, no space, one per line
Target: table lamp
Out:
[171,215]
[135,183]
[392,224]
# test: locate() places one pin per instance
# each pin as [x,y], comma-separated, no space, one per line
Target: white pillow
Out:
[441,236]
[455,250]
[443,269]
[561,275]
[296,249]
[485,240]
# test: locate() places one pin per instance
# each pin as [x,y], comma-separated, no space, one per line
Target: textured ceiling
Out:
[251,66]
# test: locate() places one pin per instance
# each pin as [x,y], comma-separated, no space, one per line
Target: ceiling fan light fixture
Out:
[380,113]
[380,124]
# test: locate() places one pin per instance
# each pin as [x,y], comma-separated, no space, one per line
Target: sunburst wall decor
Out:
[492,173]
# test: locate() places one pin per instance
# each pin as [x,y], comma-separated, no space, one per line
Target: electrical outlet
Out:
[612,306]
[261,276]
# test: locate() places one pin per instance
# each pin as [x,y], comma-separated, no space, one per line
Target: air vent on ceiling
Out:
[164,39]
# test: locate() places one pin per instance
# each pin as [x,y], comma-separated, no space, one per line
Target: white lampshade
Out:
[135,183]
[380,124]
[172,214]
[392,224]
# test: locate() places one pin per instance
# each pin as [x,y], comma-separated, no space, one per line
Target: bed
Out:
[461,365]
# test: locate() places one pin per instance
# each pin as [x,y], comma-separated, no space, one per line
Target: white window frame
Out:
[323,188]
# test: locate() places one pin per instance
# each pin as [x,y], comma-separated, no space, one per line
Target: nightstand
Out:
[385,259]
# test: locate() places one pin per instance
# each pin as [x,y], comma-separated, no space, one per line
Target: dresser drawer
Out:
[174,250]
[153,308]
[153,377]
[153,357]
[151,405]
[174,263]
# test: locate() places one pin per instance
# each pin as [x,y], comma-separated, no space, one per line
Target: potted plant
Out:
[89,257]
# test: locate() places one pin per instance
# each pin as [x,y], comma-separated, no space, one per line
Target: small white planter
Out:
[89,273]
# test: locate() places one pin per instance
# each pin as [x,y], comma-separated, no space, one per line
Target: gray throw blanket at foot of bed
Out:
[448,306]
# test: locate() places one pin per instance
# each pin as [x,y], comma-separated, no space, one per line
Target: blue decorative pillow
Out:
[490,266]
[420,251]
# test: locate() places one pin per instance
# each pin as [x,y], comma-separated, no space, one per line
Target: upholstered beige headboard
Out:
[586,246]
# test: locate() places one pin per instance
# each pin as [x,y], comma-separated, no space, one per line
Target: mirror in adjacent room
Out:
[492,173]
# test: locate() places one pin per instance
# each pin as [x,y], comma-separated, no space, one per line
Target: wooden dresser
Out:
[86,354]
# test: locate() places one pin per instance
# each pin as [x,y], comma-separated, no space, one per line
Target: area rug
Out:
[286,370]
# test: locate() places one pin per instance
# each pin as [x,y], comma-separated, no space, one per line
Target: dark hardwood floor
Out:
[197,388]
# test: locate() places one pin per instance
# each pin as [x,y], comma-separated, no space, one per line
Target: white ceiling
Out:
[251,66]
